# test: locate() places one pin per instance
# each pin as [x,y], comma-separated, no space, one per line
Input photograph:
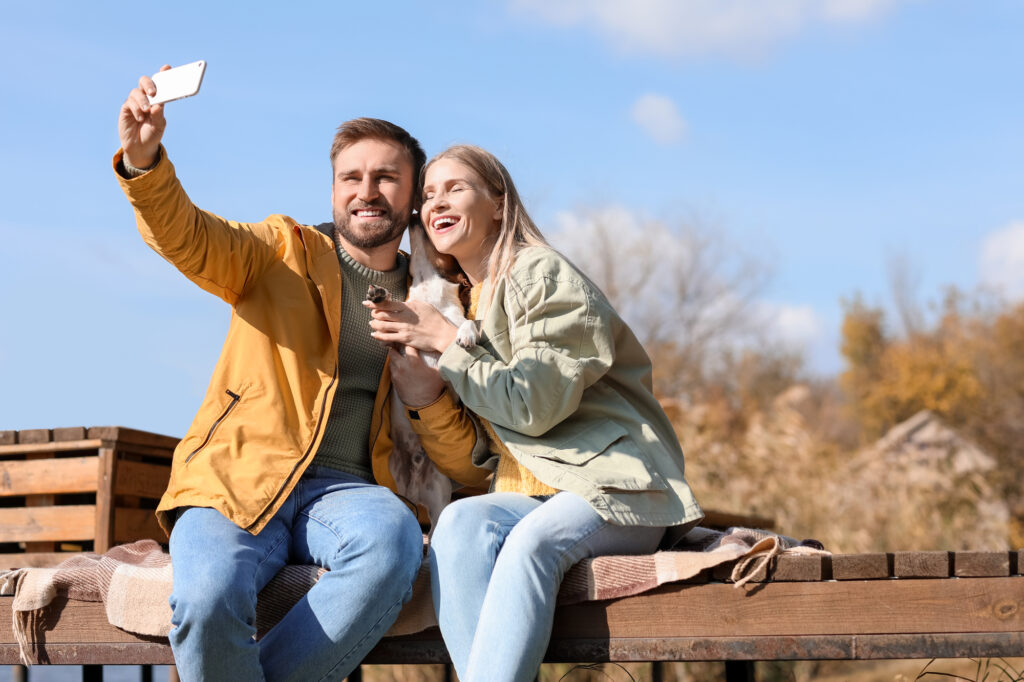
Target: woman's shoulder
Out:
[543,262]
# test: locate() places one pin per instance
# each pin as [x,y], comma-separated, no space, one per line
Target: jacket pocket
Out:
[235,398]
[606,456]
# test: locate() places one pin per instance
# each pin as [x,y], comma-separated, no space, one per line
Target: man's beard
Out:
[378,232]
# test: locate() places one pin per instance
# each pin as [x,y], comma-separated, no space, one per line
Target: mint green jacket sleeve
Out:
[548,324]
[567,387]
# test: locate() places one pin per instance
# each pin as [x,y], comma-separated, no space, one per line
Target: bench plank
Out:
[981,564]
[798,568]
[853,620]
[921,564]
[860,566]
[794,609]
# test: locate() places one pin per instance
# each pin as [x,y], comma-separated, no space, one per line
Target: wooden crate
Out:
[78,489]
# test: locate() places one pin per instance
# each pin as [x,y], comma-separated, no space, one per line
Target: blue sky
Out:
[826,137]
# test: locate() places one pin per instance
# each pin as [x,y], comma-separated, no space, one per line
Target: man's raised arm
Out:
[221,256]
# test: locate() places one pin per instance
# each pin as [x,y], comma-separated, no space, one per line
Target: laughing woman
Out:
[585,461]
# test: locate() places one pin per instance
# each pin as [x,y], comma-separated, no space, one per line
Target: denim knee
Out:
[212,594]
[458,526]
[392,553]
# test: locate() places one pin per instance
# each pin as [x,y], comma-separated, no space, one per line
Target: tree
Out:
[689,296]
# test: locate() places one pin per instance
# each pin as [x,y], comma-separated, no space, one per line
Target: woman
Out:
[587,463]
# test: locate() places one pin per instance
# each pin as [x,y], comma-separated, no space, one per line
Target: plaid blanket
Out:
[134,583]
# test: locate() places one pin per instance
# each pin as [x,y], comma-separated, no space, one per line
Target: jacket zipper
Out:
[305,455]
[323,402]
[234,401]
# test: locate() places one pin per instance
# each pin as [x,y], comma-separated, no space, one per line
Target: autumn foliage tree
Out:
[967,367]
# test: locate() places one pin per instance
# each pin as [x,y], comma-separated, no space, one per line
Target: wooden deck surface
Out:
[819,615]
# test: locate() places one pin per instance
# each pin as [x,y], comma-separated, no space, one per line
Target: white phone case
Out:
[181,81]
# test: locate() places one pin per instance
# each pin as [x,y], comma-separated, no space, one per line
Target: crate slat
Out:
[66,446]
[35,436]
[41,524]
[47,476]
[136,524]
[34,559]
[141,479]
[70,433]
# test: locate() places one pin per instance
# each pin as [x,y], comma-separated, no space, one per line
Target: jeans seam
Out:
[341,540]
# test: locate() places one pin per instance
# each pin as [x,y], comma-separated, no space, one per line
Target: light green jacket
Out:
[567,387]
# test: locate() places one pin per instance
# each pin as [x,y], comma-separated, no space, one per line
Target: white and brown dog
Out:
[434,281]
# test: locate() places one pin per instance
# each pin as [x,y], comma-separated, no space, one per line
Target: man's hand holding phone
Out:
[141,122]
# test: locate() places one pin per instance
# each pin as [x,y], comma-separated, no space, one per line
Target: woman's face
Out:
[460,216]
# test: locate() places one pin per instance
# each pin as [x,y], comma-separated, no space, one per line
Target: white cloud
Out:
[659,117]
[1002,260]
[689,27]
[795,326]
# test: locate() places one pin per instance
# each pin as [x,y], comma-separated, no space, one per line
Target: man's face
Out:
[372,192]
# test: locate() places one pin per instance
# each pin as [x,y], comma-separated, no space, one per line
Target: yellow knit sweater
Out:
[510,476]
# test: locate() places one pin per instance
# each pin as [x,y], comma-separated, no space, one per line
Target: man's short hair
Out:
[359,129]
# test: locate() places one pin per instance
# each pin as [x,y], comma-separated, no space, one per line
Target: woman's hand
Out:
[413,323]
[417,383]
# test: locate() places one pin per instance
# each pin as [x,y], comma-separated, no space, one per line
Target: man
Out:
[276,468]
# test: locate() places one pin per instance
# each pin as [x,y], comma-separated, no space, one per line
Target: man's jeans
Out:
[363,533]
[497,562]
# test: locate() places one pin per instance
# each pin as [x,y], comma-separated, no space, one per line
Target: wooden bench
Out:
[841,607]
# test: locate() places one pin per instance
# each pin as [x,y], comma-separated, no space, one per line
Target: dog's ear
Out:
[444,264]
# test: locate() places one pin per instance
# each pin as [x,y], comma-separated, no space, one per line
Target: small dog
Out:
[434,281]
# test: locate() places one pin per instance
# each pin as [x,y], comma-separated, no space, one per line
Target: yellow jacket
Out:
[262,419]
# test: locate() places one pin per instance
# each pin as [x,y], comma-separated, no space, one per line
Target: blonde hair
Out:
[517,231]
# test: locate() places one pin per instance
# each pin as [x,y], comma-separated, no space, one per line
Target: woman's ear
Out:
[499,208]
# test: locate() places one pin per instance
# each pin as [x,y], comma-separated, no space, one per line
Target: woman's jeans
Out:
[497,561]
[362,532]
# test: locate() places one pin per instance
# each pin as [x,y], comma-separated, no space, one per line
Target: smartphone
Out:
[181,81]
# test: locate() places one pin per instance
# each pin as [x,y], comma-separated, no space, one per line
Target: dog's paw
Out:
[376,294]
[467,335]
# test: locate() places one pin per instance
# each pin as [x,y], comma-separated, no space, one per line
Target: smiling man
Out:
[276,467]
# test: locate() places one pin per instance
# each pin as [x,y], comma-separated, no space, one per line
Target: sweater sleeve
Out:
[219,255]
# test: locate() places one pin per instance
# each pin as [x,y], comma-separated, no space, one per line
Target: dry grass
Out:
[932,492]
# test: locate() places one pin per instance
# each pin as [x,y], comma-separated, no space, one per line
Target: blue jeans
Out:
[497,562]
[362,532]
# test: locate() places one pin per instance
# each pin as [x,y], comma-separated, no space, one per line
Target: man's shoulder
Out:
[321,234]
